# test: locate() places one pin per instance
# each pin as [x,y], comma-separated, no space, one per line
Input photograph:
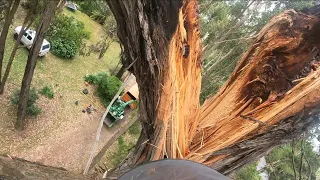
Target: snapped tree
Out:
[270,97]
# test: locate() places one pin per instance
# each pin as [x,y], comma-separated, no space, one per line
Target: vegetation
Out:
[32,108]
[47,91]
[248,172]
[121,152]
[96,9]
[66,35]
[135,129]
[292,161]
[107,86]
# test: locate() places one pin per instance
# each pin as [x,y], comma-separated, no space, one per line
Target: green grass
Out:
[64,76]
[135,129]
[123,149]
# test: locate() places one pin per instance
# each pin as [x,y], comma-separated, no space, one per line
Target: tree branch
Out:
[293,163]
[301,159]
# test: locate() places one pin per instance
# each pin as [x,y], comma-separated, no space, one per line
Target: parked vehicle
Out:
[28,38]
[116,112]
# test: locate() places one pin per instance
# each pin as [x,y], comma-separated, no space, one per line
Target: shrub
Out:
[66,35]
[64,49]
[107,86]
[98,16]
[47,92]
[32,108]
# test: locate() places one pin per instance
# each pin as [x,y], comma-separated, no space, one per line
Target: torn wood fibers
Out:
[275,80]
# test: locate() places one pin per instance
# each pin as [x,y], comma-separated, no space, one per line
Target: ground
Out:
[61,135]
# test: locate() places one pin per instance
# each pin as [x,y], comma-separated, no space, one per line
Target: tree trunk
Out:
[270,98]
[12,56]
[9,16]
[15,168]
[31,63]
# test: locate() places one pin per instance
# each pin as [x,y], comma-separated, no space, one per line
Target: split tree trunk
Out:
[31,63]
[163,38]
[270,98]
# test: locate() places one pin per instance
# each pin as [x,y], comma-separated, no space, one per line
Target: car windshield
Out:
[45,46]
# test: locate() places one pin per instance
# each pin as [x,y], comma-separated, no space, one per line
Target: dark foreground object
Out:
[173,169]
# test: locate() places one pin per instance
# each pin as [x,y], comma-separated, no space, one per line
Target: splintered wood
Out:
[179,100]
[274,80]
[262,90]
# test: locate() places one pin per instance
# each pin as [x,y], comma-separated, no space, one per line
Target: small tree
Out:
[66,35]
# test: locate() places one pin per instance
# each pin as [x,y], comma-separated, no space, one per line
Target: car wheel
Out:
[15,36]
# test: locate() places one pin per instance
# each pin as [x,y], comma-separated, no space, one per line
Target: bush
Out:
[47,92]
[64,49]
[66,35]
[107,86]
[32,108]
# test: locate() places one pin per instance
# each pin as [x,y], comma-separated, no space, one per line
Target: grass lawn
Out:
[61,121]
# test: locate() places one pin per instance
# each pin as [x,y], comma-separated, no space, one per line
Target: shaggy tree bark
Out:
[268,100]
[163,38]
[272,96]
[31,63]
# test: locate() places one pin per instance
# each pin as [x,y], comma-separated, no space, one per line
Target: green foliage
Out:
[107,86]
[33,7]
[66,35]
[32,108]
[122,152]
[47,92]
[64,48]
[98,16]
[96,9]
[280,165]
[135,129]
[248,172]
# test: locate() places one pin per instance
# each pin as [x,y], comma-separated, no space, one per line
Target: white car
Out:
[27,40]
